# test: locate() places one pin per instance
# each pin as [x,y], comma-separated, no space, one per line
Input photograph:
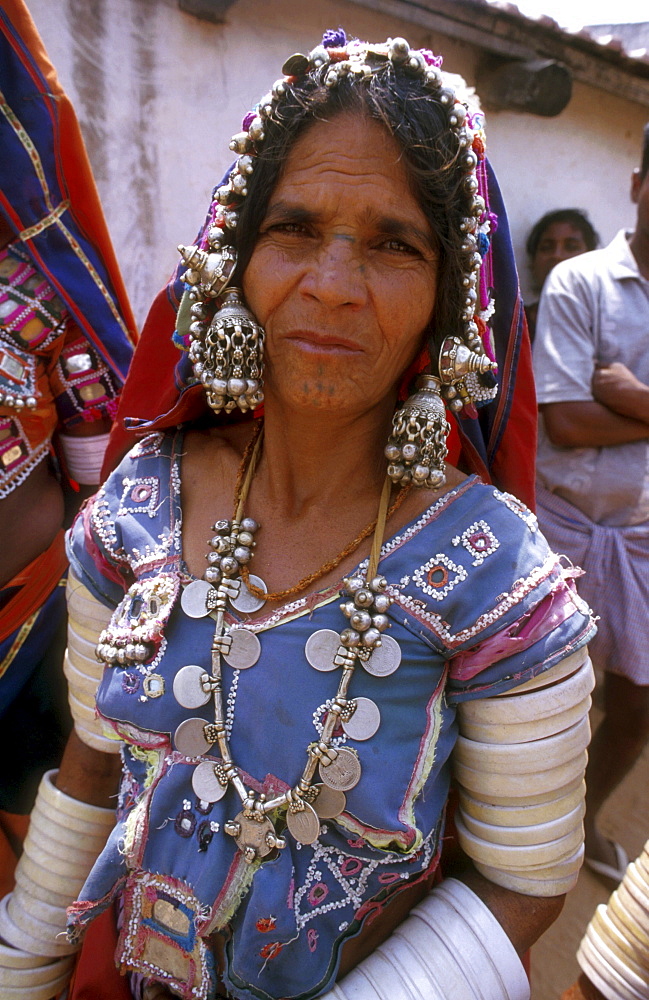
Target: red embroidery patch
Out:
[265,924]
[271,950]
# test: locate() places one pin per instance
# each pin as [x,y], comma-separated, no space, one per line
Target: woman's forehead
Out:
[348,155]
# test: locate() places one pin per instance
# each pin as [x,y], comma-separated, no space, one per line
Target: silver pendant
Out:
[245,602]
[206,784]
[343,773]
[193,599]
[255,838]
[304,825]
[188,687]
[190,738]
[385,659]
[321,647]
[245,649]
[329,803]
[364,722]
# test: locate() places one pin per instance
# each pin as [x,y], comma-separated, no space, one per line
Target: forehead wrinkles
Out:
[334,157]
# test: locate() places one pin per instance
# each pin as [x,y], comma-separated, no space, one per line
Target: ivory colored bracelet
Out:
[59,885]
[92,828]
[519,855]
[521,732]
[49,944]
[528,886]
[519,836]
[45,992]
[62,859]
[78,679]
[84,647]
[564,668]
[98,742]
[13,958]
[60,834]
[47,913]
[522,813]
[84,456]
[524,757]
[39,976]
[450,947]
[531,705]
[74,807]
[511,788]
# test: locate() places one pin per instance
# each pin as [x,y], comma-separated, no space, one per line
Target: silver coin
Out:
[206,784]
[364,722]
[385,659]
[329,803]
[343,773]
[190,738]
[188,689]
[321,647]
[304,825]
[245,649]
[193,599]
[252,835]
[246,602]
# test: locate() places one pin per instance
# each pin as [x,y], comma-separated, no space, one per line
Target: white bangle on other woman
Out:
[64,840]
[450,947]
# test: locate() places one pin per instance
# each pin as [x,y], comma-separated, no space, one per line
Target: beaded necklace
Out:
[365,604]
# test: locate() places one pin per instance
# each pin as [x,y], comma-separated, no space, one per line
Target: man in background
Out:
[591,362]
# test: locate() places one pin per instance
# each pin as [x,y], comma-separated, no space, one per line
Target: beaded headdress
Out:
[232,376]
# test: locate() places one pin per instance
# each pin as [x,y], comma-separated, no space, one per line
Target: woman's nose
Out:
[336,275]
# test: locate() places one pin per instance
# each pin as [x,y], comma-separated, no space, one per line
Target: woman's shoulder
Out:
[472,559]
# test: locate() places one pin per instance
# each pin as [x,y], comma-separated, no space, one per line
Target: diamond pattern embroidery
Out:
[139,496]
[439,576]
[479,541]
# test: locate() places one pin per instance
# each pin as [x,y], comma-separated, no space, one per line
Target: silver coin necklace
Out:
[365,604]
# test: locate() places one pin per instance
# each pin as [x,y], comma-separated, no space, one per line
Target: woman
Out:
[66,339]
[556,236]
[286,756]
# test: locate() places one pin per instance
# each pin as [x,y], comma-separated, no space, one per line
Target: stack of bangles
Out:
[519,764]
[64,839]
[614,952]
[87,617]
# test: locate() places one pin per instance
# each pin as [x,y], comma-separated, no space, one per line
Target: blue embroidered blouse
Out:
[480,605]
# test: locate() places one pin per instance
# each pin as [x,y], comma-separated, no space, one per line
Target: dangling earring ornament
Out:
[416,448]
[459,368]
[228,356]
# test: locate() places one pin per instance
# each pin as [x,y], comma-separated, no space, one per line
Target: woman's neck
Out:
[321,457]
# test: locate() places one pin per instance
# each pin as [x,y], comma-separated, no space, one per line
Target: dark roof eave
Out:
[501,29]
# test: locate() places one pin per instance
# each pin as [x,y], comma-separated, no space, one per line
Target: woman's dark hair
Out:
[419,124]
[574,216]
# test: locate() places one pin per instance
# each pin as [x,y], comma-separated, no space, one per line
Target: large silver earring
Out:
[462,372]
[227,355]
[416,448]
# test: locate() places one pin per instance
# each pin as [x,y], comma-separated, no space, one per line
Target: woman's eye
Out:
[288,228]
[398,246]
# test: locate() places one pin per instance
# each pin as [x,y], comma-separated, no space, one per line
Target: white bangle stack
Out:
[451,947]
[614,952]
[84,456]
[87,617]
[519,763]
[64,840]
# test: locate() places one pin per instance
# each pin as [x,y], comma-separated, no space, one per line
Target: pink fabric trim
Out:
[551,612]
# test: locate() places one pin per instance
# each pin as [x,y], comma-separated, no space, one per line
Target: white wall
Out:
[583,158]
[159,93]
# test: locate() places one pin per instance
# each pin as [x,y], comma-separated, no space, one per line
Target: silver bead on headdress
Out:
[465,366]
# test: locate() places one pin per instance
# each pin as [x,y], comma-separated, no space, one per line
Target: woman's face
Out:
[558,242]
[343,275]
